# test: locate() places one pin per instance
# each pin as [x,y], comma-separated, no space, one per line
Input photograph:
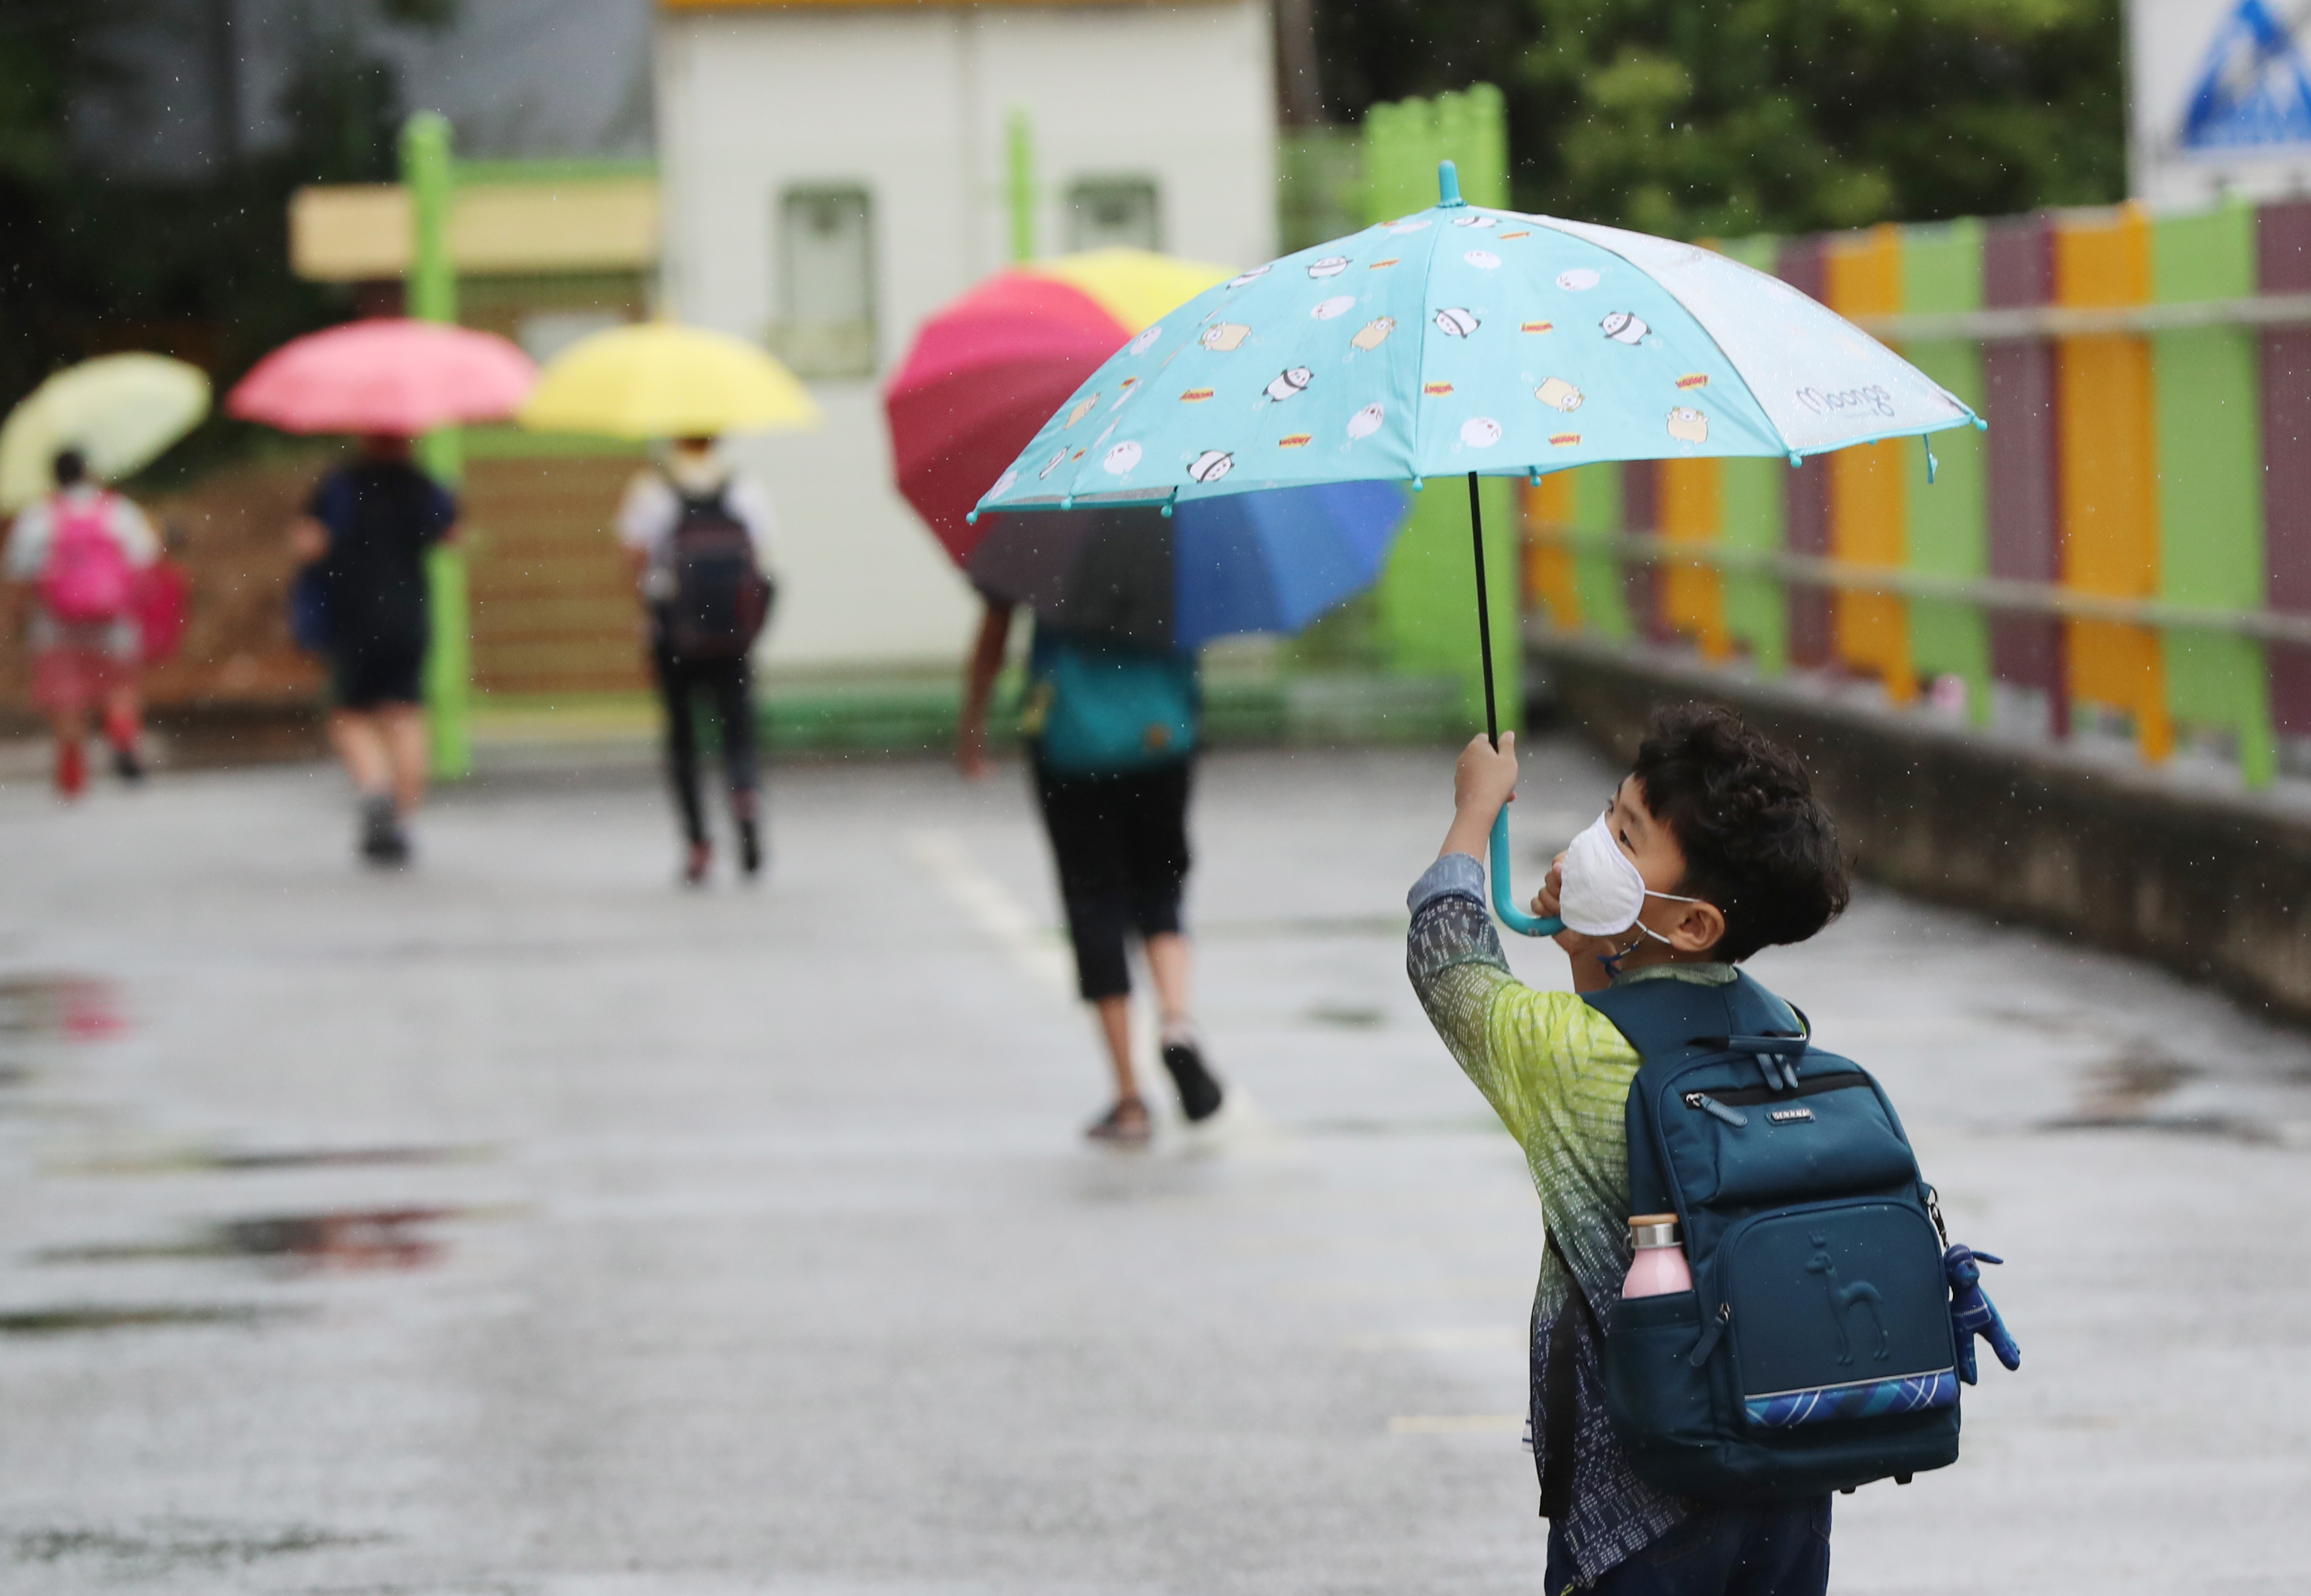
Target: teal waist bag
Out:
[1104,709]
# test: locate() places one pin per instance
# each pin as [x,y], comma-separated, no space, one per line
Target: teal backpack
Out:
[1818,1351]
[1102,707]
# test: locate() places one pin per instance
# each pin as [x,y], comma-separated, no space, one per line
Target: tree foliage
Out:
[1723,117]
[94,259]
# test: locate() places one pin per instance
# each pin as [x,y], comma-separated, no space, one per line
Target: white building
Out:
[834,170]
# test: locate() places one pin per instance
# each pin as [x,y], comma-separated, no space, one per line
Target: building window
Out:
[1104,212]
[826,283]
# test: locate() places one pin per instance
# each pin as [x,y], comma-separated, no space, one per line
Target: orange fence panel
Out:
[1550,578]
[2108,470]
[1869,505]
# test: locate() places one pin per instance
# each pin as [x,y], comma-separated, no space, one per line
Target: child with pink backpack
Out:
[82,549]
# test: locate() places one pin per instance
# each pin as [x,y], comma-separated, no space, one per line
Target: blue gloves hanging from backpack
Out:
[1973,1314]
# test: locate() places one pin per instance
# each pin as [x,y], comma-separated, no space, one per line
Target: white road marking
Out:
[1033,944]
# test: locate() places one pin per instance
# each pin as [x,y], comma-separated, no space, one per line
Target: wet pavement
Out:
[524,1224]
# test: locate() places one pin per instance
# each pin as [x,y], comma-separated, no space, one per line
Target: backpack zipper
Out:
[1710,1332]
[1710,1105]
[1746,1096]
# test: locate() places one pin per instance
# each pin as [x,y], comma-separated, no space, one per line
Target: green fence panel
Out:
[1950,522]
[1756,608]
[1425,605]
[1597,512]
[2208,415]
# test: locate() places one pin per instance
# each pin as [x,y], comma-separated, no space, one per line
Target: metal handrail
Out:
[1991,593]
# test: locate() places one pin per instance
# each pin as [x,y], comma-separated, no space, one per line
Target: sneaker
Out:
[1201,1094]
[383,840]
[126,765]
[694,863]
[750,848]
[1124,1125]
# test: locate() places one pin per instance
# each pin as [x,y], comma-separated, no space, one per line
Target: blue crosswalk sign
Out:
[2254,88]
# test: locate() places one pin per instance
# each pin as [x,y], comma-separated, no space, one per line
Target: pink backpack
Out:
[87,577]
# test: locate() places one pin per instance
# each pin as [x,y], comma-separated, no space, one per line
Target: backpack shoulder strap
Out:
[1671,1021]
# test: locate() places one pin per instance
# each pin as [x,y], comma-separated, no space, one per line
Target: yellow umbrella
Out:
[118,410]
[658,379]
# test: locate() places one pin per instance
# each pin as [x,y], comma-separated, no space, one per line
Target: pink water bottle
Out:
[1659,1265]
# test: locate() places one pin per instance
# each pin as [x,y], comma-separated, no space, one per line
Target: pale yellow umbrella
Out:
[120,411]
[659,379]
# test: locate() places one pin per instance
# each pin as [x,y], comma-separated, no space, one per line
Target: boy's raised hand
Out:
[1484,779]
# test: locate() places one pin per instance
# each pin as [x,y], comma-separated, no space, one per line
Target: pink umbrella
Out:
[385,375]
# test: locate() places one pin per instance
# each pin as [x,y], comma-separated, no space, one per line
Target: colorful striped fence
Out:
[2130,542]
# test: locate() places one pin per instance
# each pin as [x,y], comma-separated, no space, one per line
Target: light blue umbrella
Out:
[1463,341]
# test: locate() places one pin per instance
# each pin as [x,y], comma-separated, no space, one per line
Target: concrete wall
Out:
[2213,884]
[912,103]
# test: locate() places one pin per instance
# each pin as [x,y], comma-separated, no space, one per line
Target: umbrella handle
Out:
[1504,897]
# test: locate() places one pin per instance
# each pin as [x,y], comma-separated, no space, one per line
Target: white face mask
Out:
[1604,894]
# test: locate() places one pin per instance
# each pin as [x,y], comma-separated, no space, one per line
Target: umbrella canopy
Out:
[658,379]
[385,375]
[120,411]
[1247,564]
[1463,339]
[985,371]
[1473,342]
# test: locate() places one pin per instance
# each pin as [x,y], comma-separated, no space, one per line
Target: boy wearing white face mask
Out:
[1710,849]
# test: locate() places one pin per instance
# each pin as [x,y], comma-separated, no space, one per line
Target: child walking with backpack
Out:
[82,548]
[698,538]
[1112,729]
[1797,1325]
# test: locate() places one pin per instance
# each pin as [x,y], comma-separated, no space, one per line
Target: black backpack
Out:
[720,599]
[1818,1351]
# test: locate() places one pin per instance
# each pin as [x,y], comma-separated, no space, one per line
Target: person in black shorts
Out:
[1119,844]
[364,535]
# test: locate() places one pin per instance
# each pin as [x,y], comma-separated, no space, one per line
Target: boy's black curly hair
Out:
[1757,842]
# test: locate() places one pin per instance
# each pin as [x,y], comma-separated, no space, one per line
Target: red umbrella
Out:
[987,370]
[385,375]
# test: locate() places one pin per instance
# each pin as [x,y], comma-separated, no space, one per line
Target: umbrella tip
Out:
[1068,502]
[1418,486]
[1981,425]
[971,518]
[1448,185]
[1796,459]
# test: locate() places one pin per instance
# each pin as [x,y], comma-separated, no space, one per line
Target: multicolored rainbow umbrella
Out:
[986,371]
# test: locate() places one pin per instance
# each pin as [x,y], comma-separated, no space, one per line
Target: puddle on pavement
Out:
[345,1239]
[2123,1094]
[210,1544]
[76,1319]
[2129,1084]
[80,1007]
[248,1161]
[1347,1017]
